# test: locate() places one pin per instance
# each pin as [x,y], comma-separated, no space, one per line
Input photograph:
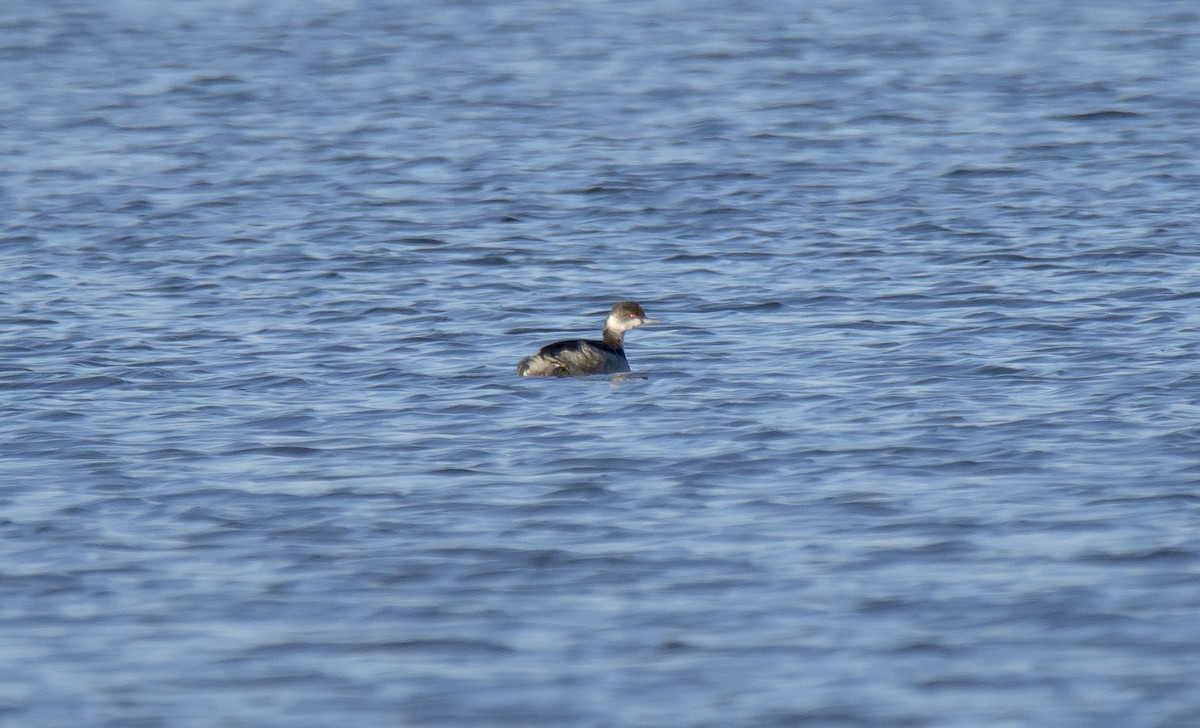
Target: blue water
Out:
[918,443]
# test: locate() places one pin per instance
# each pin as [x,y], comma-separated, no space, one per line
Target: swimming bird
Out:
[581,356]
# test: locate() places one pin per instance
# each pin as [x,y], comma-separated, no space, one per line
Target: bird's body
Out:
[578,357]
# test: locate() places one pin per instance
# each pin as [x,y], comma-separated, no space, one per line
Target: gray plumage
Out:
[579,357]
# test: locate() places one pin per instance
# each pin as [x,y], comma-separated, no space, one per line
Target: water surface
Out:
[916,446]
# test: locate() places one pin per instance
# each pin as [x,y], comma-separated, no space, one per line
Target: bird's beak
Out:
[648,320]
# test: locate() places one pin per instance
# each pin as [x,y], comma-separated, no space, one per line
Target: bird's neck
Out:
[614,338]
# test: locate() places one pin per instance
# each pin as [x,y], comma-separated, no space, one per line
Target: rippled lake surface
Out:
[917,444]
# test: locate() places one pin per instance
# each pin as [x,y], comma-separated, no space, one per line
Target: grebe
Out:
[579,356]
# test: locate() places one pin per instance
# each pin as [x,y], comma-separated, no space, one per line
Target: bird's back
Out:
[576,357]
